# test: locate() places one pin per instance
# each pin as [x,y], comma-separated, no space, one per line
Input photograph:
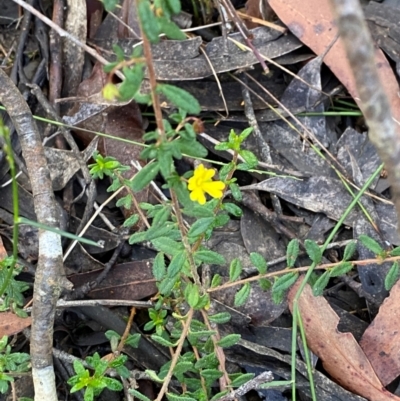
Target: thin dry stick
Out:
[383,131]
[299,270]
[176,356]
[49,269]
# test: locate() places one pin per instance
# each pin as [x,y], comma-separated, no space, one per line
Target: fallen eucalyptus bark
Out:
[49,268]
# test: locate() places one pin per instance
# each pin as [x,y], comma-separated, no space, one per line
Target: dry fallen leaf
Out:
[312,21]
[11,324]
[340,353]
[381,340]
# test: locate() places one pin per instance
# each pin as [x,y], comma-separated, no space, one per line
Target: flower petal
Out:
[214,188]
[197,195]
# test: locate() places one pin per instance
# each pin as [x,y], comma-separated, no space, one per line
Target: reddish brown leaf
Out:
[312,22]
[381,340]
[11,324]
[131,281]
[340,353]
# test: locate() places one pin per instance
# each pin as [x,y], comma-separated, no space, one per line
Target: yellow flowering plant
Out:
[181,247]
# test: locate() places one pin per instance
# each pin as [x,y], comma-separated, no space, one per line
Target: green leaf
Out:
[208,361]
[125,201]
[220,318]
[179,97]
[144,176]
[349,250]
[191,148]
[192,295]
[233,209]
[292,252]
[320,284]
[277,296]
[174,6]
[89,394]
[137,237]
[216,281]
[161,216]
[236,193]
[221,219]
[235,269]
[204,301]
[163,341]
[138,395]
[249,157]
[171,30]
[219,395]
[264,284]
[242,295]
[313,251]
[133,340]
[131,220]
[112,384]
[109,5]
[112,334]
[371,244]
[244,167]
[153,376]
[259,262]
[395,252]
[183,367]
[134,78]
[176,264]
[165,287]
[242,379]
[392,276]
[174,397]
[284,282]
[199,212]
[222,146]
[167,245]
[210,257]
[225,170]
[211,374]
[341,269]
[200,226]
[245,133]
[229,340]
[159,270]
[148,21]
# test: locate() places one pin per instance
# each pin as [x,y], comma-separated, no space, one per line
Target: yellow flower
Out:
[202,182]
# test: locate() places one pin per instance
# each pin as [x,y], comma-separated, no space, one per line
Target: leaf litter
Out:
[317,199]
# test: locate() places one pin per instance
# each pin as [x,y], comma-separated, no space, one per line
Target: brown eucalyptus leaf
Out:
[312,21]
[340,353]
[380,341]
[11,324]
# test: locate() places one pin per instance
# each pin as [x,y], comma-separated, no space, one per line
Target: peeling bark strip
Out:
[384,131]
[49,267]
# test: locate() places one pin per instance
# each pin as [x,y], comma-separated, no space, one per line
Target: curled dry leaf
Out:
[340,353]
[380,341]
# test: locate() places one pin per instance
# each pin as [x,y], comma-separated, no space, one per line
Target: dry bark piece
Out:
[380,341]
[312,21]
[340,353]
